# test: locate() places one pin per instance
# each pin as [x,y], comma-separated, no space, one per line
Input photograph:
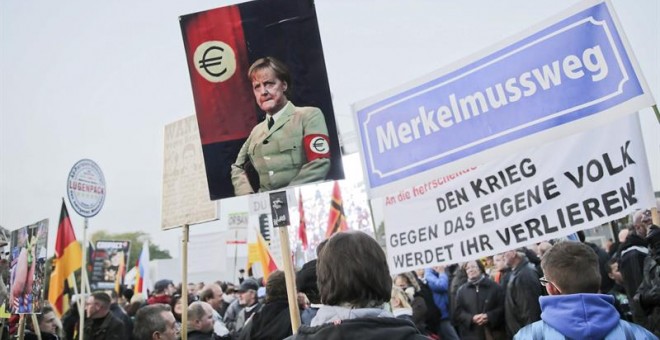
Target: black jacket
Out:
[371,328]
[485,296]
[197,335]
[432,315]
[120,314]
[648,294]
[605,282]
[108,328]
[631,263]
[271,322]
[521,303]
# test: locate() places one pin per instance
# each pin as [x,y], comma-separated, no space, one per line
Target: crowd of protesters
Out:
[558,289]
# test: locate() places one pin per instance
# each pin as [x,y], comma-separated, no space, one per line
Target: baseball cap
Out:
[248,284]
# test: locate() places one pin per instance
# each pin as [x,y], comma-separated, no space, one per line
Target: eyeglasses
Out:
[544,281]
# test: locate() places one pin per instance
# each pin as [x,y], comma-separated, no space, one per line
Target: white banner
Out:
[185,193]
[550,191]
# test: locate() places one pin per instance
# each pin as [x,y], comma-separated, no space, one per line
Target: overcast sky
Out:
[100,79]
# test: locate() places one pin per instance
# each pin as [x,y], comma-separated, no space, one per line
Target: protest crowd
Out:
[558,289]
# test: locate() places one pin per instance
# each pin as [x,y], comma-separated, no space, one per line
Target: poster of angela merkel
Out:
[261,96]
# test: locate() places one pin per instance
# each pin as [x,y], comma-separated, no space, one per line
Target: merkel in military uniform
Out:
[294,149]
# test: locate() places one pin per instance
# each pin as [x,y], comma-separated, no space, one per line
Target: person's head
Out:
[126,296]
[212,294]
[306,282]
[319,248]
[406,280]
[271,82]
[642,218]
[513,257]
[543,248]
[613,270]
[247,292]
[276,287]
[164,287]
[571,268]
[498,262]
[229,295]
[402,281]
[200,317]
[192,288]
[97,305]
[155,322]
[48,321]
[176,303]
[399,298]
[474,269]
[352,270]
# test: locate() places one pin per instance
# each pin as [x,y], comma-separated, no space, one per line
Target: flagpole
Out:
[373,221]
[83,287]
[184,282]
[235,255]
[21,327]
[35,325]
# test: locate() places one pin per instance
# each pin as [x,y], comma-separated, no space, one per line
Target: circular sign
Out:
[86,188]
[215,61]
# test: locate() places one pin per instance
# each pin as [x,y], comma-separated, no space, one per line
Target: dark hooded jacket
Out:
[271,322]
[338,323]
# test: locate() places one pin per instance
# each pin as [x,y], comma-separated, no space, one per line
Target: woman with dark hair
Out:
[177,308]
[354,283]
[479,310]
[273,320]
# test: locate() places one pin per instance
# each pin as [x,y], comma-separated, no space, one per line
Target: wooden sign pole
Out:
[184,283]
[290,277]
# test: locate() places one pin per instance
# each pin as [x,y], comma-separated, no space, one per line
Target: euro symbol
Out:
[320,145]
[207,62]
[216,61]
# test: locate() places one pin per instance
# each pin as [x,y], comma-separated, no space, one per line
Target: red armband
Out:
[316,146]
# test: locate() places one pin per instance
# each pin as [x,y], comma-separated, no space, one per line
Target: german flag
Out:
[68,259]
[258,252]
[121,271]
[337,220]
